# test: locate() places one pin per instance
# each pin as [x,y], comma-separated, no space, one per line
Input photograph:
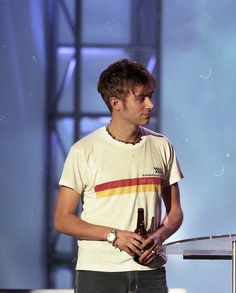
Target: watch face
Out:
[111,237]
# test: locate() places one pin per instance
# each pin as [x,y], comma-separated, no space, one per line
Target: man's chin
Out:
[145,122]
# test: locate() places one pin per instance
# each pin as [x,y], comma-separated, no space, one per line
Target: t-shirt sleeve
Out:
[74,171]
[173,170]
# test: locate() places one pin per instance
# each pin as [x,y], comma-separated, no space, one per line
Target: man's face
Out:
[137,107]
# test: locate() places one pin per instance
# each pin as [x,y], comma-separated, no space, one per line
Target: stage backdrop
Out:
[197,113]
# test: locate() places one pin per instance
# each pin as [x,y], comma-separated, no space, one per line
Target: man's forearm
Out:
[169,226]
[72,225]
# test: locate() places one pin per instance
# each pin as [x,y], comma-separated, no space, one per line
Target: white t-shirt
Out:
[114,180]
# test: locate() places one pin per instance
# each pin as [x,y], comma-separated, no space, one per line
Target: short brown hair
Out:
[122,77]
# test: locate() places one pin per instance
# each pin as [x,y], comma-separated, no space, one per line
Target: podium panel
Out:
[208,247]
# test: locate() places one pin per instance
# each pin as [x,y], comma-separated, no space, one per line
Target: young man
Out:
[114,171]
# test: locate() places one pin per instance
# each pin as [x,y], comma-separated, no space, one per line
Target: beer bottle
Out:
[140,229]
[152,227]
[150,231]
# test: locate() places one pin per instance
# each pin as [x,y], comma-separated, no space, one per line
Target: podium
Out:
[209,247]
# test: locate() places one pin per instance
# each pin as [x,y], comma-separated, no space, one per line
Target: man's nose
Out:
[149,103]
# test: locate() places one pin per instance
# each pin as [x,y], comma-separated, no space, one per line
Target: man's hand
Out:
[150,249]
[130,242]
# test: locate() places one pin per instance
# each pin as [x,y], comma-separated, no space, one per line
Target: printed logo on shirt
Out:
[158,170]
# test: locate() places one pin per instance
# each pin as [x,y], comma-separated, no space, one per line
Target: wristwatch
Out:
[111,236]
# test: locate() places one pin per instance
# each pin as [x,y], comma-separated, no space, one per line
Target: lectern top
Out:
[208,245]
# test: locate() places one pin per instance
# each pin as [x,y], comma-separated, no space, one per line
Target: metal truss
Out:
[56,83]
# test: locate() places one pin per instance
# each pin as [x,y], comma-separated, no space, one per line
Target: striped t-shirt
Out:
[114,180]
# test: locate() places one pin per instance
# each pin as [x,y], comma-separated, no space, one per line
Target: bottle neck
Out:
[140,220]
[152,226]
[140,229]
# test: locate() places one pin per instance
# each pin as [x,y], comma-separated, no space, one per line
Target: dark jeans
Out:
[153,281]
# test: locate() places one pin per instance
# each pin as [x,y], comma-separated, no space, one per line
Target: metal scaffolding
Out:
[61,252]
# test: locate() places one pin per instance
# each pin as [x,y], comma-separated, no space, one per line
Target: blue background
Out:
[197,105]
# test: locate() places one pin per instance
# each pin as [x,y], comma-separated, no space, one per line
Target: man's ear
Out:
[115,103]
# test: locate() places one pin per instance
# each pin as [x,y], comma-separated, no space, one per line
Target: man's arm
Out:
[174,214]
[170,224]
[66,221]
[173,218]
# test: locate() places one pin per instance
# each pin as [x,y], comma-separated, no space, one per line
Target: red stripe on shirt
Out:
[127,182]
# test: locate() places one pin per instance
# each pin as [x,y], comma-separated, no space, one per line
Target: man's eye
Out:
[141,98]
[144,97]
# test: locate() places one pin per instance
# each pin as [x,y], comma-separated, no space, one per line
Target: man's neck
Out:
[127,134]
